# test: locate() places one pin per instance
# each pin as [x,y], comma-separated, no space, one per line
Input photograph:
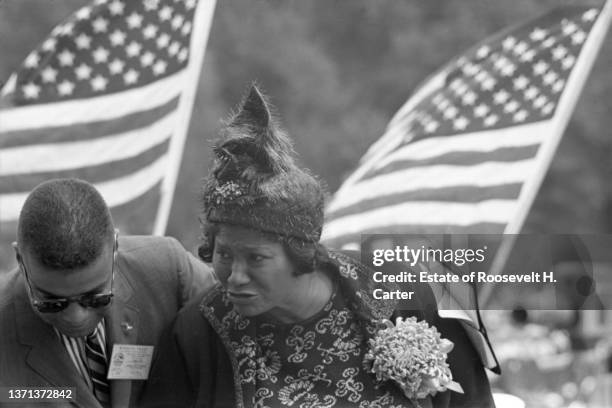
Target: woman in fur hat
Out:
[291,323]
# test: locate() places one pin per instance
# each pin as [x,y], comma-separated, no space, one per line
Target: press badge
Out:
[130,362]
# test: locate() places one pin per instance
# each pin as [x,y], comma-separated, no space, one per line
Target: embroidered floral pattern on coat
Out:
[313,364]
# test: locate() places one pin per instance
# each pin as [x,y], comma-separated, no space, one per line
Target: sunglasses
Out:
[57,305]
[94,300]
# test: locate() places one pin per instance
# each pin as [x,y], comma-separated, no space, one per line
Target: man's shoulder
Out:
[150,250]
[162,261]
[147,243]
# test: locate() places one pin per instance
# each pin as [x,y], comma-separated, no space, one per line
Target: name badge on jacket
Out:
[130,362]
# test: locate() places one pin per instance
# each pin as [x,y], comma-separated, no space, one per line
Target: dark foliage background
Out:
[337,71]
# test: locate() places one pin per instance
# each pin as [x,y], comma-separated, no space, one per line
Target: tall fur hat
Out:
[255,181]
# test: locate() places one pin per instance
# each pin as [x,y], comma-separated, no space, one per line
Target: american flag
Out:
[106,97]
[467,153]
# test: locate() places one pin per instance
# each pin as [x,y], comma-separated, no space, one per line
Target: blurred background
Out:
[337,71]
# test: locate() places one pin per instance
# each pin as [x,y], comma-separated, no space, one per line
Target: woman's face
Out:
[257,273]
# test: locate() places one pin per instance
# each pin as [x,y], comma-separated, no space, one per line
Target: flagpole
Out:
[201,29]
[566,106]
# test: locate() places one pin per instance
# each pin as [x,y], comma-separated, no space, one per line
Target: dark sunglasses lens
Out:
[96,300]
[51,306]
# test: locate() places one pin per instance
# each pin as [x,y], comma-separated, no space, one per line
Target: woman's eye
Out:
[257,257]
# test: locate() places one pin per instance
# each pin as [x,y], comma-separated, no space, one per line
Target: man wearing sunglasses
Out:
[83,295]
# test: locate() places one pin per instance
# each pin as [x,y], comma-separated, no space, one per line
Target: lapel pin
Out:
[126,326]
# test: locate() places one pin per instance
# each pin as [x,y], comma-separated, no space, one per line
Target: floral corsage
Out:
[413,355]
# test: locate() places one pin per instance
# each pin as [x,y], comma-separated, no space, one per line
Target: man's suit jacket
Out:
[154,277]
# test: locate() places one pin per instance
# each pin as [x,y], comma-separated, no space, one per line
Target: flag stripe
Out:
[82,111]
[87,131]
[463,193]
[34,159]
[93,174]
[433,177]
[509,154]
[423,212]
[521,136]
[115,192]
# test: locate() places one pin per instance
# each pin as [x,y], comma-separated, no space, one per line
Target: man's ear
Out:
[18,256]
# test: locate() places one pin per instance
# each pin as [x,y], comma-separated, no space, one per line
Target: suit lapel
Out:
[122,324]
[47,357]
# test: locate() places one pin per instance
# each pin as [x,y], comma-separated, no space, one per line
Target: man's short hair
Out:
[65,224]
